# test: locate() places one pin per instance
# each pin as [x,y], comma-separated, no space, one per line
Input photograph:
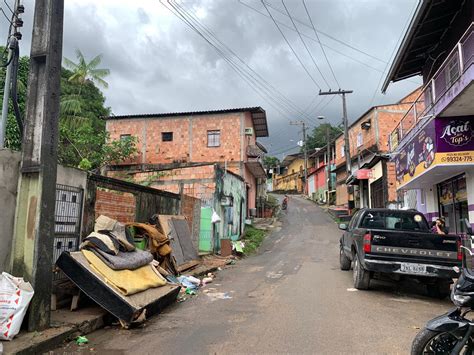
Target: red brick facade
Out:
[368,138]
[191,145]
[116,205]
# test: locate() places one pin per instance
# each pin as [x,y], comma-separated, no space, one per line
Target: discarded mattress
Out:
[93,284]
[128,282]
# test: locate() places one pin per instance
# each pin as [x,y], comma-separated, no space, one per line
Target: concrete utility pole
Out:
[302,123]
[347,152]
[32,255]
[328,162]
[8,75]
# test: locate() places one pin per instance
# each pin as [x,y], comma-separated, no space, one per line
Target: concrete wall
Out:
[9,171]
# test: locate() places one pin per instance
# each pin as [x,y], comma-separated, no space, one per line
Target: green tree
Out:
[318,137]
[270,162]
[86,72]
[85,143]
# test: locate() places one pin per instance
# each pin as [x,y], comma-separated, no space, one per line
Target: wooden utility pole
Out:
[328,162]
[305,151]
[347,151]
[32,255]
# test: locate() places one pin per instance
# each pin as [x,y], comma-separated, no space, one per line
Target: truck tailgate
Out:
[416,247]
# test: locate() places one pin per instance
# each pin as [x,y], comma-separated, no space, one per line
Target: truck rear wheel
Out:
[360,275]
[344,261]
[440,289]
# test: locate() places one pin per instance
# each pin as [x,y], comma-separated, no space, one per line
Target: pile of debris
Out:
[132,270]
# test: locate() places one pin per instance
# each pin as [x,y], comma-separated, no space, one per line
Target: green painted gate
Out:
[205,232]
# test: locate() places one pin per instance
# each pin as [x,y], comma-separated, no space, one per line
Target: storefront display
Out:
[453,206]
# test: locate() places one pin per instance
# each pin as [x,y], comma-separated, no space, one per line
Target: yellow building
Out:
[291,174]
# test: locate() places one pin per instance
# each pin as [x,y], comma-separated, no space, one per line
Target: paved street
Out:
[291,298]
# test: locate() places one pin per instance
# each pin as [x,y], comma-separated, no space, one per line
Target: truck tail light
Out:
[458,242]
[367,242]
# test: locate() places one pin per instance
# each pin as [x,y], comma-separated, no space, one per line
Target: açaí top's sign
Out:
[441,141]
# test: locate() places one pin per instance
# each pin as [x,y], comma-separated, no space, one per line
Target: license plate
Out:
[413,268]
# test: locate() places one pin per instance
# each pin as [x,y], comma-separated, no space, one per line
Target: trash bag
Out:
[15,296]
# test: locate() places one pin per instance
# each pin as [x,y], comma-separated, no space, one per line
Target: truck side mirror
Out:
[343,226]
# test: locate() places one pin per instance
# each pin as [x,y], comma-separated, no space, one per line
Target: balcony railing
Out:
[422,109]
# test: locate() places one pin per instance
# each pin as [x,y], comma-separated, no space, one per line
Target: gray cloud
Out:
[158,64]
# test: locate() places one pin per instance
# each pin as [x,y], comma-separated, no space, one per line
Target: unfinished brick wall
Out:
[116,205]
[191,209]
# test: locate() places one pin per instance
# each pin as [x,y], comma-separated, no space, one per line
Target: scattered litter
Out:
[190,291]
[238,246]
[352,289]
[189,282]
[415,327]
[219,268]
[206,280]
[219,296]
[80,340]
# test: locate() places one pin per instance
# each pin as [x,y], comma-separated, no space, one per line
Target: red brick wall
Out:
[189,137]
[391,180]
[116,205]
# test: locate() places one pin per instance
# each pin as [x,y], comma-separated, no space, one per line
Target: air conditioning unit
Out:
[248,131]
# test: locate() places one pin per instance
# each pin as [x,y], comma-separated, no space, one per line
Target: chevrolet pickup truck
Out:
[398,243]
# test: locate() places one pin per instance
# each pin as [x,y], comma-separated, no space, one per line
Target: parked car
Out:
[398,243]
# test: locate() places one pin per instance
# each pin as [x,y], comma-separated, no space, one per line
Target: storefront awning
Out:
[435,175]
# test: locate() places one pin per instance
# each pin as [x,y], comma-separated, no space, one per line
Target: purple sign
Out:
[421,150]
[455,134]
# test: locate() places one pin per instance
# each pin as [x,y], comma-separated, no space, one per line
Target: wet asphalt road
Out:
[290,298]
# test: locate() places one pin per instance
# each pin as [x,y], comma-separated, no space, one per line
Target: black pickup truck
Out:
[398,243]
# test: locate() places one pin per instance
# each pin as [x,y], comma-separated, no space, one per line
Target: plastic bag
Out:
[15,296]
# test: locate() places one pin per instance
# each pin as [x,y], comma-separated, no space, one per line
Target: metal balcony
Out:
[448,93]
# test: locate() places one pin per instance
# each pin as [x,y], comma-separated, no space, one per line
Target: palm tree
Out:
[84,72]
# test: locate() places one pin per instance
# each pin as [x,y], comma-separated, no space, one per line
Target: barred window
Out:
[213,138]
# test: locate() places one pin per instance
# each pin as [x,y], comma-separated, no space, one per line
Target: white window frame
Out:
[214,138]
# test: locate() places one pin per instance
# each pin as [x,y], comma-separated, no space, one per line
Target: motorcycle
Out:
[284,204]
[453,332]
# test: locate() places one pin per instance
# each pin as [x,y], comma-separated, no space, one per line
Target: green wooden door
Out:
[205,233]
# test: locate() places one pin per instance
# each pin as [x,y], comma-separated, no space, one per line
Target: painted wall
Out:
[9,173]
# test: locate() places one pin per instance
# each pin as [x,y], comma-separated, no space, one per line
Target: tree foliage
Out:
[318,137]
[270,162]
[83,140]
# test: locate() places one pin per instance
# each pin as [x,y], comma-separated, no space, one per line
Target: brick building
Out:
[178,152]
[321,181]
[291,174]
[372,179]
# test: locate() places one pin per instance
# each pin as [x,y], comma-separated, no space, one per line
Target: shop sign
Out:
[443,141]
[364,174]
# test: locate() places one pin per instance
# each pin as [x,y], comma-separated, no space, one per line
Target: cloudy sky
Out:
[159,64]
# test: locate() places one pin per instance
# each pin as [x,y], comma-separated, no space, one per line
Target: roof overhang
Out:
[431,20]
[256,169]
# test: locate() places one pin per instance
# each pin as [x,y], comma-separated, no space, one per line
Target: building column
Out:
[470,195]
[431,202]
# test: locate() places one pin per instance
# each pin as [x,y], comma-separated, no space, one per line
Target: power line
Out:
[251,81]
[391,55]
[289,45]
[304,43]
[315,40]
[329,36]
[266,90]
[322,48]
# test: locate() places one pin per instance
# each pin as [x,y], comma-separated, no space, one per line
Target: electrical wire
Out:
[304,43]
[404,28]
[262,89]
[322,47]
[289,45]
[212,34]
[315,40]
[14,88]
[244,75]
[329,36]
